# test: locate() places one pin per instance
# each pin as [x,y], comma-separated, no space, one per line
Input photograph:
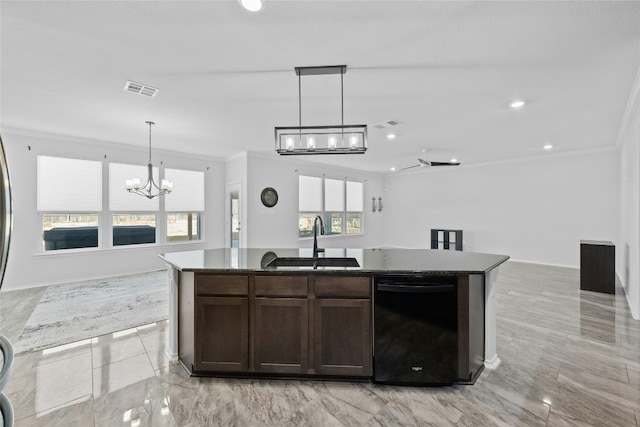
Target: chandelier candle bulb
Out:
[353,142]
[136,183]
[128,183]
[311,143]
[290,143]
[333,142]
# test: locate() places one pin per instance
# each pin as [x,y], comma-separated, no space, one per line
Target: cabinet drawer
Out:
[281,286]
[348,287]
[210,284]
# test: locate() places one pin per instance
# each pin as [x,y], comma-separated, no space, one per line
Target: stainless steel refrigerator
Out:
[6,220]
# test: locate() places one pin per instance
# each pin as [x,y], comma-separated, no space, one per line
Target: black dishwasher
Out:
[415,330]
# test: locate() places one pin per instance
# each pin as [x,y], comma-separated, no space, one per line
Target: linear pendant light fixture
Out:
[305,140]
[150,187]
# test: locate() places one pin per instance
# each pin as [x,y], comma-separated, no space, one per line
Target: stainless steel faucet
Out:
[315,235]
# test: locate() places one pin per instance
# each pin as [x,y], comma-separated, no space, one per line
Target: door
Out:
[233,216]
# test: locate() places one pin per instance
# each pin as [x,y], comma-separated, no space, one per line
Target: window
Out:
[71,211]
[69,231]
[133,229]
[309,203]
[184,205]
[69,199]
[133,219]
[333,206]
[355,206]
[183,227]
[339,203]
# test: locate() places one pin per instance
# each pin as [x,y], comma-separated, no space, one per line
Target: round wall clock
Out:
[269,197]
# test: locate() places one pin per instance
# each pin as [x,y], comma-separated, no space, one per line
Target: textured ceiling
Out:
[445,70]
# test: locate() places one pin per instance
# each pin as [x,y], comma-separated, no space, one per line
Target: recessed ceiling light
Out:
[391,136]
[548,147]
[393,169]
[252,5]
[517,104]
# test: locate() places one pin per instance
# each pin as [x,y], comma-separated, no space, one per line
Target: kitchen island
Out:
[282,313]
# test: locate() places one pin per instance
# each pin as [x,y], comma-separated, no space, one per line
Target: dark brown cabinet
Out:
[471,327]
[281,324]
[597,266]
[221,319]
[312,325]
[281,335]
[342,326]
[222,334]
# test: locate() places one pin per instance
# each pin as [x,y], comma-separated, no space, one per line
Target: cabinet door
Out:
[222,334]
[281,335]
[342,337]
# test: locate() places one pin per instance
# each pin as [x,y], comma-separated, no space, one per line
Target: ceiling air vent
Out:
[140,89]
[386,124]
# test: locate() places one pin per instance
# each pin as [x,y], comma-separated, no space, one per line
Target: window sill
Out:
[121,248]
[331,236]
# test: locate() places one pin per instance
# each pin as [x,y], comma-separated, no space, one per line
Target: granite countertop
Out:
[388,261]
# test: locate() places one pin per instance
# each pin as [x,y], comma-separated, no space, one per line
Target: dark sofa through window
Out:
[87,237]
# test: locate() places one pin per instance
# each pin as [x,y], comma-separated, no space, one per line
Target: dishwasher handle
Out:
[415,289]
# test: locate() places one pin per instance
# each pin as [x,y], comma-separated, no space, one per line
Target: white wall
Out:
[278,226]
[27,266]
[628,251]
[534,210]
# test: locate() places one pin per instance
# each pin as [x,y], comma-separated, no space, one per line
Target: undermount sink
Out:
[312,262]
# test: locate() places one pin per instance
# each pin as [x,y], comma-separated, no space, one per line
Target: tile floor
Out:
[569,358]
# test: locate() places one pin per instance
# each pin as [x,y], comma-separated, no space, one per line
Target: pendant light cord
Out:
[300,105]
[342,97]
[150,123]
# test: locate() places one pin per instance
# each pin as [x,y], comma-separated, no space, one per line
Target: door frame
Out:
[232,187]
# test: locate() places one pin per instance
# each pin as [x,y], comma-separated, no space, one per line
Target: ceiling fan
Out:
[422,162]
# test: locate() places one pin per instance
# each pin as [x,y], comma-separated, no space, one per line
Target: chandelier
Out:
[338,139]
[147,190]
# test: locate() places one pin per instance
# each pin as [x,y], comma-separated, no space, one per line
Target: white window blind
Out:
[333,195]
[355,196]
[120,200]
[68,185]
[310,194]
[188,191]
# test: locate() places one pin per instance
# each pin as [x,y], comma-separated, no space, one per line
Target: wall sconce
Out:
[376,206]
